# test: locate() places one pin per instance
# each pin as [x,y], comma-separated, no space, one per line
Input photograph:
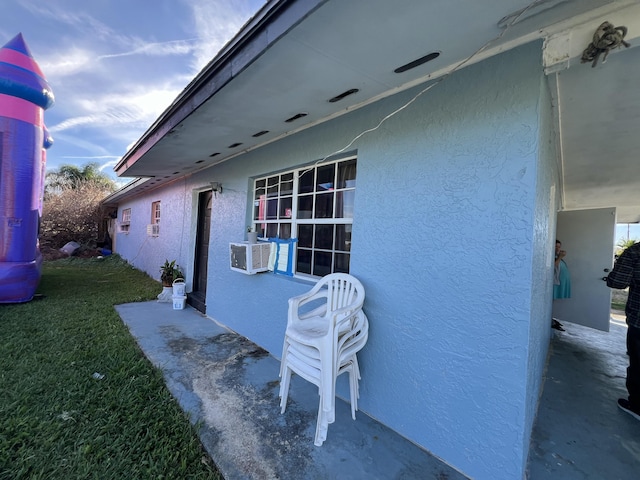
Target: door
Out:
[197,298]
[588,237]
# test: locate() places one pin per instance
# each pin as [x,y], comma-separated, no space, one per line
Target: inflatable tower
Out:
[24,95]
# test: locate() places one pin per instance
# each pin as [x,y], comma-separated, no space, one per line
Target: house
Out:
[434,150]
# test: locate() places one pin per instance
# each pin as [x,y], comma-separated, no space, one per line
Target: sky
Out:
[115,65]
[625,231]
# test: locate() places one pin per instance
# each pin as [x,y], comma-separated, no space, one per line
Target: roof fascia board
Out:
[129,189]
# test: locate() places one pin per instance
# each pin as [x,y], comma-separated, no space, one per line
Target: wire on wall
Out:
[439,80]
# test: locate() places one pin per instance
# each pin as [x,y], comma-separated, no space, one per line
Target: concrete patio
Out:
[229,387]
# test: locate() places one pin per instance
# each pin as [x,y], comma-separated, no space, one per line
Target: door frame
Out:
[197,298]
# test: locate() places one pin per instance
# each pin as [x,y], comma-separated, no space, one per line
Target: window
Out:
[314,205]
[125,222]
[155,213]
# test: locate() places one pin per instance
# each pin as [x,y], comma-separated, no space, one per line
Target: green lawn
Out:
[57,420]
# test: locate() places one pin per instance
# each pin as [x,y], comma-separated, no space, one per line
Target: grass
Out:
[57,421]
[619,299]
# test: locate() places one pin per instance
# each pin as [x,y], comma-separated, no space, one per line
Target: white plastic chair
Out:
[321,342]
[306,362]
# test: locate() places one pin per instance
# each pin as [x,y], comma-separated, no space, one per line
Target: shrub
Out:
[73,214]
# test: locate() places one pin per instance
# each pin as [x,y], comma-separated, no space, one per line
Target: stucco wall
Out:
[175,241]
[544,227]
[448,239]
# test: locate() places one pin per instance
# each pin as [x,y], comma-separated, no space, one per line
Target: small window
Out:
[125,222]
[155,213]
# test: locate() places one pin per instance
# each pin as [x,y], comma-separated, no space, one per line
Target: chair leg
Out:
[284,388]
[353,384]
[283,361]
[322,426]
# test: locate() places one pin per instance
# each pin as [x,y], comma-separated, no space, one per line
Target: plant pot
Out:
[252,237]
[166,294]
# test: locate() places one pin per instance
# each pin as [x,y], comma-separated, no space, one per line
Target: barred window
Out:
[155,213]
[125,223]
[126,216]
[314,205]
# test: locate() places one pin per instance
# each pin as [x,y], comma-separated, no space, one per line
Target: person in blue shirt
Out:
[561,280]
[561,276]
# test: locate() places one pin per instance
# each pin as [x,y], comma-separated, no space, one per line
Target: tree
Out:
[71,207]
[623,244]
[72,176]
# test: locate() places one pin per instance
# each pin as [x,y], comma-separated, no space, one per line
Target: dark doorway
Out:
[198,297]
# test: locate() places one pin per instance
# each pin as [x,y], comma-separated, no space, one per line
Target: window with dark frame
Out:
[314,205]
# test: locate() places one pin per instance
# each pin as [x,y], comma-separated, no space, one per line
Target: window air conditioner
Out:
[249,258]
[153,229]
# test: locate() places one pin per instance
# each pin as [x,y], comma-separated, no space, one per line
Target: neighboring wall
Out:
[450,239]
[175,241]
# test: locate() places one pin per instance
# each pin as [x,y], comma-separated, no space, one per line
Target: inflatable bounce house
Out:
[24,95]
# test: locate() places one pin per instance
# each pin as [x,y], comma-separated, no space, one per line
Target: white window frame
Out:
[155,212]
[125,223]
[264,226]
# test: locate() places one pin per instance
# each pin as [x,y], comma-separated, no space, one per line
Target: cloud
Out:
[175,47]
[77,21]
[138,106]
[76,60]
[217,22]
[112,160]
[71,62]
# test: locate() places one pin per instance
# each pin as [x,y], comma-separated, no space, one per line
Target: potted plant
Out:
[169,272]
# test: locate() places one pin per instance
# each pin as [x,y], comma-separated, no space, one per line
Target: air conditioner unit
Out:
[249,258]
[153,229]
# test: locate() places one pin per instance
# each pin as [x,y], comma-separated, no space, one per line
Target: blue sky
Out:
[627,231]
[115,65]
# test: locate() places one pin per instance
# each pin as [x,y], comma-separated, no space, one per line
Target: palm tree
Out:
[623,244]
[72,176]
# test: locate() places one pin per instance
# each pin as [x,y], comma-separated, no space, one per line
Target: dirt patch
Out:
[49,253]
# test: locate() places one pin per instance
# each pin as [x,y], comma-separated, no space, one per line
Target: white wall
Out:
[449,239]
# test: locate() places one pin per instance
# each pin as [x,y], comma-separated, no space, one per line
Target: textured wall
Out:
[450,235]
[544,228]
[177,230]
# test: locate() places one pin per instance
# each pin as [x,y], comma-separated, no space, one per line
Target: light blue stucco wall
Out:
[450,239]
[546,206]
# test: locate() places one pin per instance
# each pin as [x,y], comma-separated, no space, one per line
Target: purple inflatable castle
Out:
[24,95]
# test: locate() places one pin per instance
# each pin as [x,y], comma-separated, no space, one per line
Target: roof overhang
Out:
[281,72]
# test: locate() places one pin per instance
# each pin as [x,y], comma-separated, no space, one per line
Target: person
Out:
[561,280]
[561,276]
[626,273]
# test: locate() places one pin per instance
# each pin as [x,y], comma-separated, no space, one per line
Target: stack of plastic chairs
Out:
[326,328]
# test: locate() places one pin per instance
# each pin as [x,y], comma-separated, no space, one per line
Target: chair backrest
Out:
[343,290]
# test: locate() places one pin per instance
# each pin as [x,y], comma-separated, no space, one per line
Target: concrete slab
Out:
[580,433]
[229,387]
